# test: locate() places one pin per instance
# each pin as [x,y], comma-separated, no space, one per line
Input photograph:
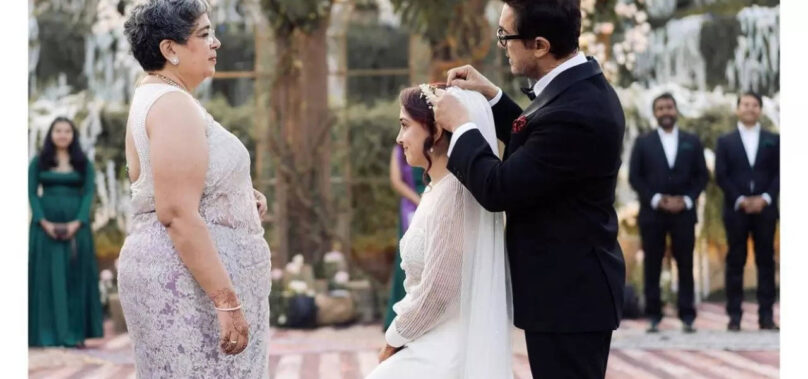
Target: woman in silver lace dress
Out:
[194,270]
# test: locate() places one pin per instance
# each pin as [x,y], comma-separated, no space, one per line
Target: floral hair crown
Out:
[428,93]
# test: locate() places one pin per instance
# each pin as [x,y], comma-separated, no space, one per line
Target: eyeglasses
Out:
[504,38]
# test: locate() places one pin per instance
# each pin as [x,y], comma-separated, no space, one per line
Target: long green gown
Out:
[64,306]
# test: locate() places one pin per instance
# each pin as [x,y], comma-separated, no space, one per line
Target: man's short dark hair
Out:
[752,94]
[155,20]
[663,96]
[558,21]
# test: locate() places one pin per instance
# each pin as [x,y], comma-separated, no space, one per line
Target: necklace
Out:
[168,80]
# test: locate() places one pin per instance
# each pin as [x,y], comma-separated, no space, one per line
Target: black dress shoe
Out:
[688,328]
[769,325]
[734,326]
[654,327]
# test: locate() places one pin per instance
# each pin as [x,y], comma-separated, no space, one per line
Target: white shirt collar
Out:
[745,130]
[545,80]
[673,133]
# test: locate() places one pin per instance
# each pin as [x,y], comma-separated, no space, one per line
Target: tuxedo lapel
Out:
[656,141]
[561,82]
[741,150]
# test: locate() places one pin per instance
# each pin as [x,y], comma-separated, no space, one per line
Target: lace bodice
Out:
[431,256]
[228,197]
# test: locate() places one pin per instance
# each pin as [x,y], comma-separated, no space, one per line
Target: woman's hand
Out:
[49,227]
[72,228]
[261,203]
[387,352]
[233,331]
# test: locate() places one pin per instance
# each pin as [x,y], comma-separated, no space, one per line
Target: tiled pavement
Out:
[342,353]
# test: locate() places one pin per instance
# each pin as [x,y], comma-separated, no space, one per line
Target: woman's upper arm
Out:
[178,154]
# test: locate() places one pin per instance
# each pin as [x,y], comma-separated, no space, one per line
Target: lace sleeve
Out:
[439,287]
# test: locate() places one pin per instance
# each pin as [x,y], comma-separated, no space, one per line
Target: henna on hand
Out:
[224,298]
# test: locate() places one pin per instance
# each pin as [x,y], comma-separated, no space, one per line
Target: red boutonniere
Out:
[519,124]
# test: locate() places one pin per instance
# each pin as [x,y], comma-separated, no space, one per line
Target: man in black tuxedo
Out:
[556,185]
[668,171]
[747,168]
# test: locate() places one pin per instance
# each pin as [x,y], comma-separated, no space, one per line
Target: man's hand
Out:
[467,77]
[672,204]
[449,112]
[387,352]
[677,204]
[753,204]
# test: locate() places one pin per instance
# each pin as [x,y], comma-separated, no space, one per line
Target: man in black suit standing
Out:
[556,185]
[747,168]
[668,171]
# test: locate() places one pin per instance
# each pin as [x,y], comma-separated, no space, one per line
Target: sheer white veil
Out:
[486,306]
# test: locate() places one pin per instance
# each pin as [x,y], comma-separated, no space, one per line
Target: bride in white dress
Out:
[454,321]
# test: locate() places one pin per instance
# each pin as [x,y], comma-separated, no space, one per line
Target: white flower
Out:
[277,274]
[106,275]
[333,256]
[641,17]
[341,277]
[298,286]
[298,259]
[293,268]
[605,28]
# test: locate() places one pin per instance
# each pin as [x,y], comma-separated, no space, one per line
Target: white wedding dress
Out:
[454,321]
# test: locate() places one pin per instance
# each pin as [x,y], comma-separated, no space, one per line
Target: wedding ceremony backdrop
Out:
[311,88]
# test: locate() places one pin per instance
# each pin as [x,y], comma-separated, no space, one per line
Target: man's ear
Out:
[542,47]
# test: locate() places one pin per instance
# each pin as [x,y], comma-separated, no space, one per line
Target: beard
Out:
[666,122]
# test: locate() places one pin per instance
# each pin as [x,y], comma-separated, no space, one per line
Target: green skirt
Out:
[64,306]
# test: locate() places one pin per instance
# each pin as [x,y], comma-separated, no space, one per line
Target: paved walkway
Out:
[349,353]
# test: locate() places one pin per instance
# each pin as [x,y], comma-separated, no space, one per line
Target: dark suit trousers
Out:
[568,355]
[762,228]
[654,233]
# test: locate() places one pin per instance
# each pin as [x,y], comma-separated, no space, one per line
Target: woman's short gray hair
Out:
[155,20]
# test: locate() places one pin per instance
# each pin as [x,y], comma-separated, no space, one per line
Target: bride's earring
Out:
[431,149]
[175,61]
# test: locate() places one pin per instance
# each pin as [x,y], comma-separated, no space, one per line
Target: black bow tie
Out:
[529,92]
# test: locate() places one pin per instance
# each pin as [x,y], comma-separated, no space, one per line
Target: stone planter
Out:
[116,314]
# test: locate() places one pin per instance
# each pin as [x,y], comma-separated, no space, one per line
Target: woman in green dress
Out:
[64,306]
[408,182]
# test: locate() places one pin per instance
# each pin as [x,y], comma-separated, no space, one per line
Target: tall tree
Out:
[300,128]
[456,30]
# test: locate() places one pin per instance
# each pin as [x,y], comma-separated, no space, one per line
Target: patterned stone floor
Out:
[349,353]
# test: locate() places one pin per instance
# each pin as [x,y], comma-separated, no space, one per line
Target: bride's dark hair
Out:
[417,107]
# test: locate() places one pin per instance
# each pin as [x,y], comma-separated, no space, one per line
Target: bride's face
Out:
[411,137]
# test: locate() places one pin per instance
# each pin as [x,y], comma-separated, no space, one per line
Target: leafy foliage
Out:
[375,46]
[288,15]
[62,48]
[375,205]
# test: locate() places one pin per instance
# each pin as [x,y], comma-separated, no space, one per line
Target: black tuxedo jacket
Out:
[650,174]
[735,176]
[556,185]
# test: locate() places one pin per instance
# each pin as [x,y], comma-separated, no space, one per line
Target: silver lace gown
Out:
[171,320]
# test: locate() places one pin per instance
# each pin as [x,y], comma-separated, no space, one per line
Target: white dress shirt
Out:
[545,80]
[670,144]
[751,141]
